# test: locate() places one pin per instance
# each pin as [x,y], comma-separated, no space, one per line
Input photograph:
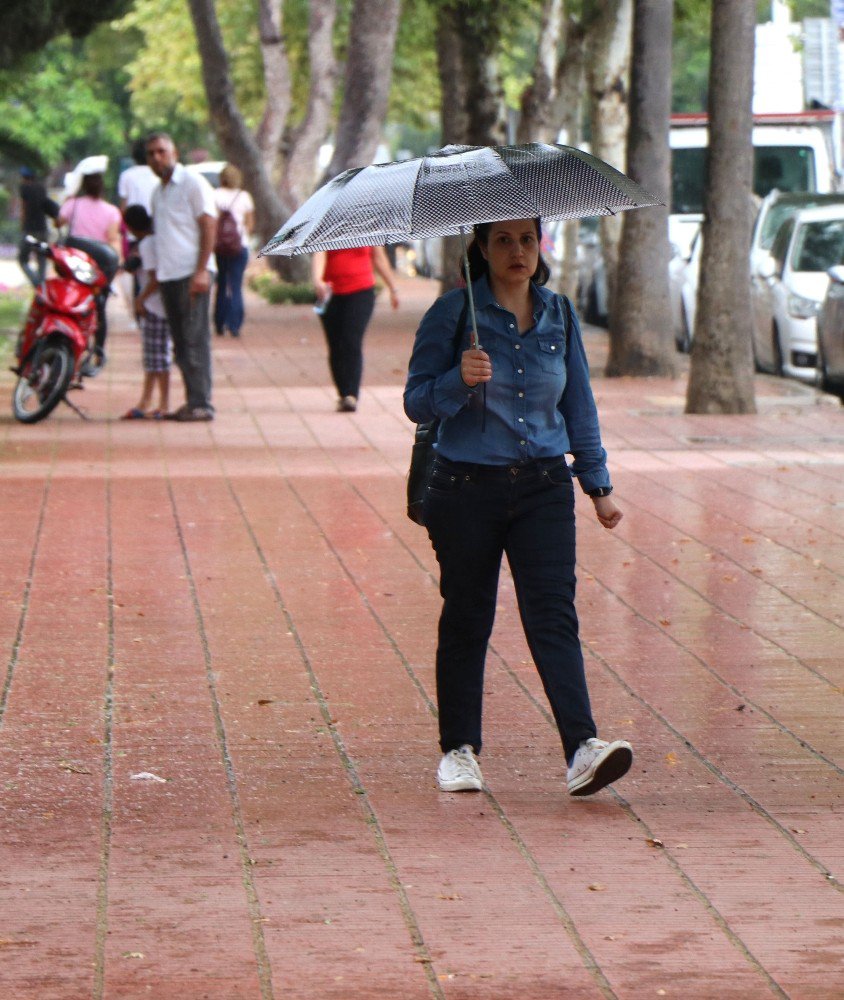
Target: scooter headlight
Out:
[82,270]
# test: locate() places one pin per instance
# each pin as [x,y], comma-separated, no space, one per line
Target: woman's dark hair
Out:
[92,185]
[478,265]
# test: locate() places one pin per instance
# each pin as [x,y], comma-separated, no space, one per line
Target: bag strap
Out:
[460,329]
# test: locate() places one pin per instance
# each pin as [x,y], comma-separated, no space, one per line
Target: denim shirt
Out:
[539,403]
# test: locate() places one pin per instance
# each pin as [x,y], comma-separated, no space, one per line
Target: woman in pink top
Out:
[89,215]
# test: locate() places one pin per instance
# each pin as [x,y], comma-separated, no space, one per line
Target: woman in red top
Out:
[345,290]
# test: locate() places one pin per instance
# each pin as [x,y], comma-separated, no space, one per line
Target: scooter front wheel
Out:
[41,387]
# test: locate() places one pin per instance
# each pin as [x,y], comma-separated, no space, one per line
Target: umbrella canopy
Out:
[453,189]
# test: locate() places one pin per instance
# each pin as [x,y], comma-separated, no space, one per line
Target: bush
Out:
[12,307]
[275,291]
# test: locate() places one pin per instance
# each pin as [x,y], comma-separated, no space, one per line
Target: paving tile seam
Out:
[810,526]
[707,903]
[762,471]
[711,909]
[748,530]
[590,964]
[27,590]
[101,918]
[829,879]
[264,968]
[798,661]
[370,816]
[589,961]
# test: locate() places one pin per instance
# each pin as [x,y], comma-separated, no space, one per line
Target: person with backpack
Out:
[235,222]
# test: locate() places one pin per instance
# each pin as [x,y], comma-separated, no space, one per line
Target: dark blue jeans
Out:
[344,321]
[475,514]
[228,305]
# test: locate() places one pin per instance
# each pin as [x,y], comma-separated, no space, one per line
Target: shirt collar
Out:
[484,298]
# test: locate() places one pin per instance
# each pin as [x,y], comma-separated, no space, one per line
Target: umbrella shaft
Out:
[475,344]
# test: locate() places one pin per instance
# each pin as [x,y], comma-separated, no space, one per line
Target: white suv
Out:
[788,288]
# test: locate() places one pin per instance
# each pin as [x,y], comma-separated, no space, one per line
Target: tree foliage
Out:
[63,109]
[26,26]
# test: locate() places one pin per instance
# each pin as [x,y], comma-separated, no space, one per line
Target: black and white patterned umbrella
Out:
[453,189]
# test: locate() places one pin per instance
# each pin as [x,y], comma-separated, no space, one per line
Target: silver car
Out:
[830,372]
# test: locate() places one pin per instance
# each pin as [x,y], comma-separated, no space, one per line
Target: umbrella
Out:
[451,190]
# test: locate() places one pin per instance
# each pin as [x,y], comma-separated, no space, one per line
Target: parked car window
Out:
[781,241]
[787,168]
[819,245]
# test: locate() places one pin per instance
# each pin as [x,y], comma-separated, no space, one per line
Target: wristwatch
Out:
[600,491]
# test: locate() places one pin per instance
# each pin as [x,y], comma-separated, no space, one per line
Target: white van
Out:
[792,152]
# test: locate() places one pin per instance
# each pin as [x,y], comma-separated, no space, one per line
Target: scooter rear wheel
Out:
[40,389]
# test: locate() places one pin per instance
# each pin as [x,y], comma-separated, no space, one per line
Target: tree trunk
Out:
[454,119]
[234,136]
[721,376]
[567,117]
[276,81]
[641,335]
[478,28]
[239,145]
[536,122]
[369,69]
[302,147]
[610,31]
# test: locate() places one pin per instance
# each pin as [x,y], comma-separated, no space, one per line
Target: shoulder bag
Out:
[423,453]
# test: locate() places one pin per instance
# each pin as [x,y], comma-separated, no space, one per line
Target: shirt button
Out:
[521,420]
[553,347]
[512,327]
[522,442]
[521,395]
[520,371]
[518,347]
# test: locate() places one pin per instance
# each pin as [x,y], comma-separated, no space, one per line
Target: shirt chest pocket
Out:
[551,353]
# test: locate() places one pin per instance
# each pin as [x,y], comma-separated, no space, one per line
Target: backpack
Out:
[228,242]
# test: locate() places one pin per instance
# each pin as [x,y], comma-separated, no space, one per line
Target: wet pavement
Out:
[217,716]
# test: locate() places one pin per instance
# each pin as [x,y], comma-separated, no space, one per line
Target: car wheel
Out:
[684,339]
[824,382]
[776,351]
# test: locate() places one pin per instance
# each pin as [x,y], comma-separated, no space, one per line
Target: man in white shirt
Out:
[185,226]
[136,184]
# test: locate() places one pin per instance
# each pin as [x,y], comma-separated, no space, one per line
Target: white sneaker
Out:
[459,771]
[597,764]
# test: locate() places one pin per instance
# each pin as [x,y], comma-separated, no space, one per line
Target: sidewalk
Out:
[243,610]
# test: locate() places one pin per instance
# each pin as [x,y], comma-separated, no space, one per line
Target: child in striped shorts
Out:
[155,331]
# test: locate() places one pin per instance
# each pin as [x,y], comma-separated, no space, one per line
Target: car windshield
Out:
[787,168]
[782,210]
[819,246]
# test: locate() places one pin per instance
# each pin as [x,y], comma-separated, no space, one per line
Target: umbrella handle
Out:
[475,344]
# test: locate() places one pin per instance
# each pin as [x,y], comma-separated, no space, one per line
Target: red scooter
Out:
[57,346]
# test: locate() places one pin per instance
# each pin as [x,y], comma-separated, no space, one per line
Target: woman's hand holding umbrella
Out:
[475,367]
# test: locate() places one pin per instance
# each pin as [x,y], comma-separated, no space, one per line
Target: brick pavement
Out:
[242,610]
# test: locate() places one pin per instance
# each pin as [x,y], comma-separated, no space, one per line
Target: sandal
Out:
[134,414]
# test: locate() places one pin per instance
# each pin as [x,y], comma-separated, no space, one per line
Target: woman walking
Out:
[232,257]
[509,413]
[344,281]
